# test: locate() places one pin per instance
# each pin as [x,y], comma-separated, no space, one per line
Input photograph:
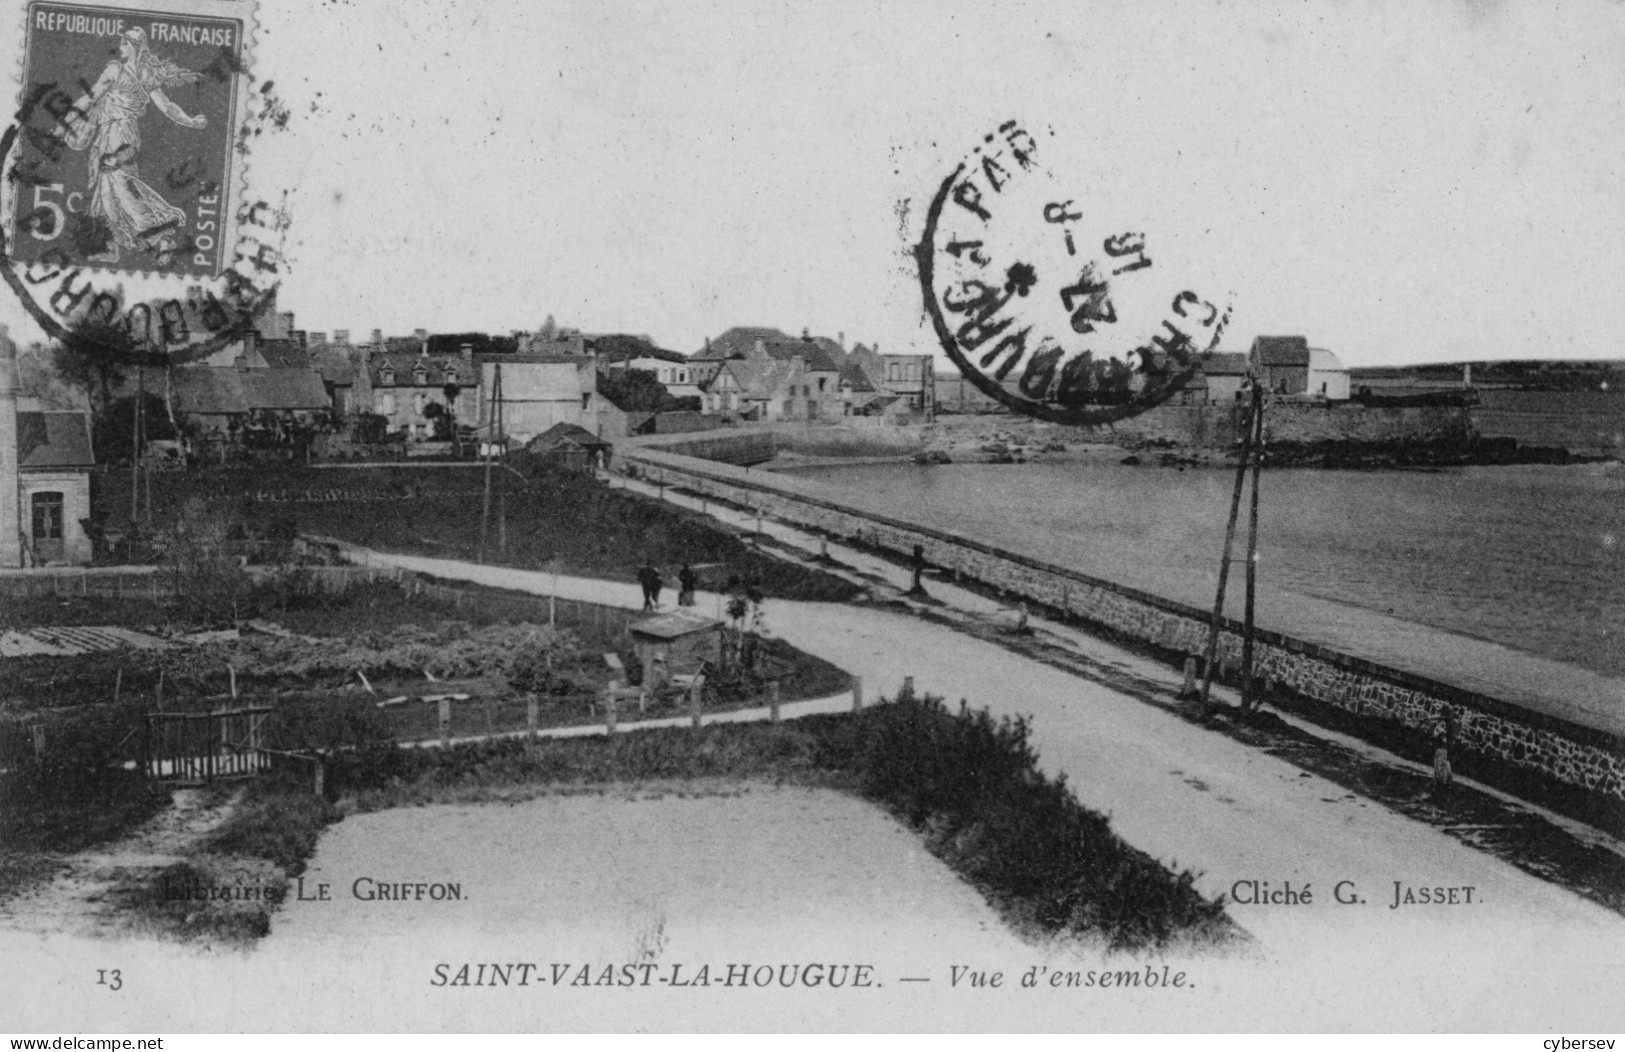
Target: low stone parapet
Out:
[1372,696]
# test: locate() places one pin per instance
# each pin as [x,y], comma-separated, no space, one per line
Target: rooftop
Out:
[54,440]
[680,622]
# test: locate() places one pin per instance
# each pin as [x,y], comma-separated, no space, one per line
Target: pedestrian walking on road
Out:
[649,578]
[686,580]
[1443,731]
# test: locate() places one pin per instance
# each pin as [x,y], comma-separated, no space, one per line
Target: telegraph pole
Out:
[490,453]
[1229,544]
[1248,698]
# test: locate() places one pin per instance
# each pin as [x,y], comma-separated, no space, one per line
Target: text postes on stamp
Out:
[127,130]
[1047,305]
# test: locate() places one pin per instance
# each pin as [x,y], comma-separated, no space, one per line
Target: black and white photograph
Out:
[547,517]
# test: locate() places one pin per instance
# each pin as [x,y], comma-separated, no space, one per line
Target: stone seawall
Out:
[1219,427]
[1375,697]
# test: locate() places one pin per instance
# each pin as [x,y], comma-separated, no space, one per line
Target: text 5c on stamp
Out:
[128,122]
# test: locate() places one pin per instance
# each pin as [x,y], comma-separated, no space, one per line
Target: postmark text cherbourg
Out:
[1046,305]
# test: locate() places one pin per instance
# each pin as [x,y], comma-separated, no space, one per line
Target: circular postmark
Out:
[1055,310]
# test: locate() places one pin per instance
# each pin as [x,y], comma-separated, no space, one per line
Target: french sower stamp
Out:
[127,155]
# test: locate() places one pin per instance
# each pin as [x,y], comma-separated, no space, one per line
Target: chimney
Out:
[378,337]
[341,335]
[420,334]
[467,351]
[318,338]
[840,340]
[251,341]
[804,334]
[286,326]
[300,336]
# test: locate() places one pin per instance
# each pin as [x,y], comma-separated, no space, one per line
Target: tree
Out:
[636,391]
[113,427]
[451,391]
[96,355]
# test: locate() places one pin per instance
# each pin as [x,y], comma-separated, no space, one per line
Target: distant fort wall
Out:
[1506,743]
[1219,426]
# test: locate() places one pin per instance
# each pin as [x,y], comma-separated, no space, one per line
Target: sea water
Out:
[1529,557]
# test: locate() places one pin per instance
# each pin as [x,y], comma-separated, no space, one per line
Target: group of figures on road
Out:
[652,581]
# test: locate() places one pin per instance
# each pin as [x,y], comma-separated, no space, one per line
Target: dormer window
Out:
[449,378]
[387,377]
[420,376]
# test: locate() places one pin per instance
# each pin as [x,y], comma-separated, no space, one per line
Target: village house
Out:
[619,353]
[793,380]
[571,447]
[1287,365]
[45,463]
[1224,377]
[1281,364]
[212,397]
[404,382]
[522,395]
[910,377]
[735,344]
[1328,376]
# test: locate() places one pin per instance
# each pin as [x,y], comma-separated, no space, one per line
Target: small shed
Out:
[675,643]
[571,446]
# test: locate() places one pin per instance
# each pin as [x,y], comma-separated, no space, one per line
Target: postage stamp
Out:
[126,155]
[1050,308]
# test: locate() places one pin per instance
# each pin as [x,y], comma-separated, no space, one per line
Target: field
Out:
[323,666]
[540,519]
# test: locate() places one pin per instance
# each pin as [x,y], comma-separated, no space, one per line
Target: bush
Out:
[970,784]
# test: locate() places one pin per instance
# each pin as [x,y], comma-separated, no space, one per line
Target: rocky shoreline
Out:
[1006,440]
[1363,455]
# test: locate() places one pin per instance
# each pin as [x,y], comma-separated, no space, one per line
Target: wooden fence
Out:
[569,613]
[204,746]
[114,585]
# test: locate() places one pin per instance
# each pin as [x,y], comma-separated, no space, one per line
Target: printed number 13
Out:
[110,978]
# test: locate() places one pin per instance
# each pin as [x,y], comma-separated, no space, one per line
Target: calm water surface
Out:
[1528,557]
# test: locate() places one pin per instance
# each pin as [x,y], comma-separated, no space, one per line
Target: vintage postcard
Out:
[556,518]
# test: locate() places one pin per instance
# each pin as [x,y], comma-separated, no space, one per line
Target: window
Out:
[420,376]
[386,404]
[47,516]
[418,402]
[387,378]
[821,385]
[894,372]
[586,401]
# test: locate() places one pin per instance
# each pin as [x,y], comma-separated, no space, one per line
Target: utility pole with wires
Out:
[1249,697]
[493,438]
[1255,420]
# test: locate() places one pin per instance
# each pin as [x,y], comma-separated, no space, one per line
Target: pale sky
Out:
[1398,181]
